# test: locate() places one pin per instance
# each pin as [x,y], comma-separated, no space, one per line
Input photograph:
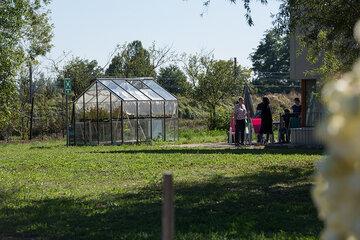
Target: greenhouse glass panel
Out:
[104,122]
[159,90]
[116,120]
[157,108]
[129,110]
[144,129]
[131,89]
[144,109]
[171,109]
[130,121]
[117,90]
[171,129]
[158,129]
[79,121]
[146,90]
[91,133]
[130,130]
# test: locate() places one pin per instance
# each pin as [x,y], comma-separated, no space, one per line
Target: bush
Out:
[222,119]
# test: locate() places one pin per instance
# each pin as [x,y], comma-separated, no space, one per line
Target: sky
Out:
[92,28]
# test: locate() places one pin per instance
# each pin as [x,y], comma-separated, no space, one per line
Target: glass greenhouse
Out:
[119,110]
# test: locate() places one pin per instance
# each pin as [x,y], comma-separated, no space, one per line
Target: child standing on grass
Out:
[240,121]
[285,128]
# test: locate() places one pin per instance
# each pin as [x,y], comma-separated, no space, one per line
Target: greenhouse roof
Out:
[132,89]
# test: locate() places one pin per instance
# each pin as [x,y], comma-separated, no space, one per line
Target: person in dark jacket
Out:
[296,114]
[266,119]
[296,108]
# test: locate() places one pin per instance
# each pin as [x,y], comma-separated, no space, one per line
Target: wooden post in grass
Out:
[168,208]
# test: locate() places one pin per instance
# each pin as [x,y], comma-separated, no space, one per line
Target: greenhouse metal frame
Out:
[123,110]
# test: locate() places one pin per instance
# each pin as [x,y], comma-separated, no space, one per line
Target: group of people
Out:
[263,111]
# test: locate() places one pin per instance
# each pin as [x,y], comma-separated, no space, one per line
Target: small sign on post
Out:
[67,86]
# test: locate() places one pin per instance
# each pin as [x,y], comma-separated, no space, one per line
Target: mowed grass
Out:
[49,191]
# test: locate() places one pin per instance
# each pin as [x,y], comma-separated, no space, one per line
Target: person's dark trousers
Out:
[239,131]
[284,135]
[259,138]
[288,132]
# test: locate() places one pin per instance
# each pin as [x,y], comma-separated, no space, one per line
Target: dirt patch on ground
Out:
[220,145]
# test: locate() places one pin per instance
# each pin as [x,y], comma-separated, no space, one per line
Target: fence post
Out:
[168,208]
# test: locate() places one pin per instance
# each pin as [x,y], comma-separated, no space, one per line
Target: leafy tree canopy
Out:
[216,80]
[25,33]
[325,28]
[174,80]
[271,62]
[24,25]
[133,61]
[82,72]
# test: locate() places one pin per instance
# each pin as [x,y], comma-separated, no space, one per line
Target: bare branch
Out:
[162,55]
[117,49]
[55,63]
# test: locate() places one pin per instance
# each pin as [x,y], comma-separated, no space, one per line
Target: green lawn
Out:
[48,191]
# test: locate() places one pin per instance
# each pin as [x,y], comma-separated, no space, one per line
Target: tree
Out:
[195,64]
[174,80]
[36,42]
[133,61]
[9,104]
[11,24]
[271,62]
[160,56]
[24,29]
[325,29]
[82,72]
[48,110]
[216,81]
[246,4]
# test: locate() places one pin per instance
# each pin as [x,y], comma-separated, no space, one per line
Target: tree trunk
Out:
[31,118]
[212,124]
[31,99]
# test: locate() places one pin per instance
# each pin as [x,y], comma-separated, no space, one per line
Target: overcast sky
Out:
[92,28]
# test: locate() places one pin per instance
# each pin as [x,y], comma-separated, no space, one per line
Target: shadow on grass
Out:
[245,207]
[216,151]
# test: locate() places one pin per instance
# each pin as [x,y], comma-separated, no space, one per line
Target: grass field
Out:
[48,191]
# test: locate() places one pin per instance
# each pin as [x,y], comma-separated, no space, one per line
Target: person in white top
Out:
[240,118]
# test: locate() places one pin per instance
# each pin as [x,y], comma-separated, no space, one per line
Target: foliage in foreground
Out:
[49,191]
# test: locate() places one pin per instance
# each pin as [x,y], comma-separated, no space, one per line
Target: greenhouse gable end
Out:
[124,110]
